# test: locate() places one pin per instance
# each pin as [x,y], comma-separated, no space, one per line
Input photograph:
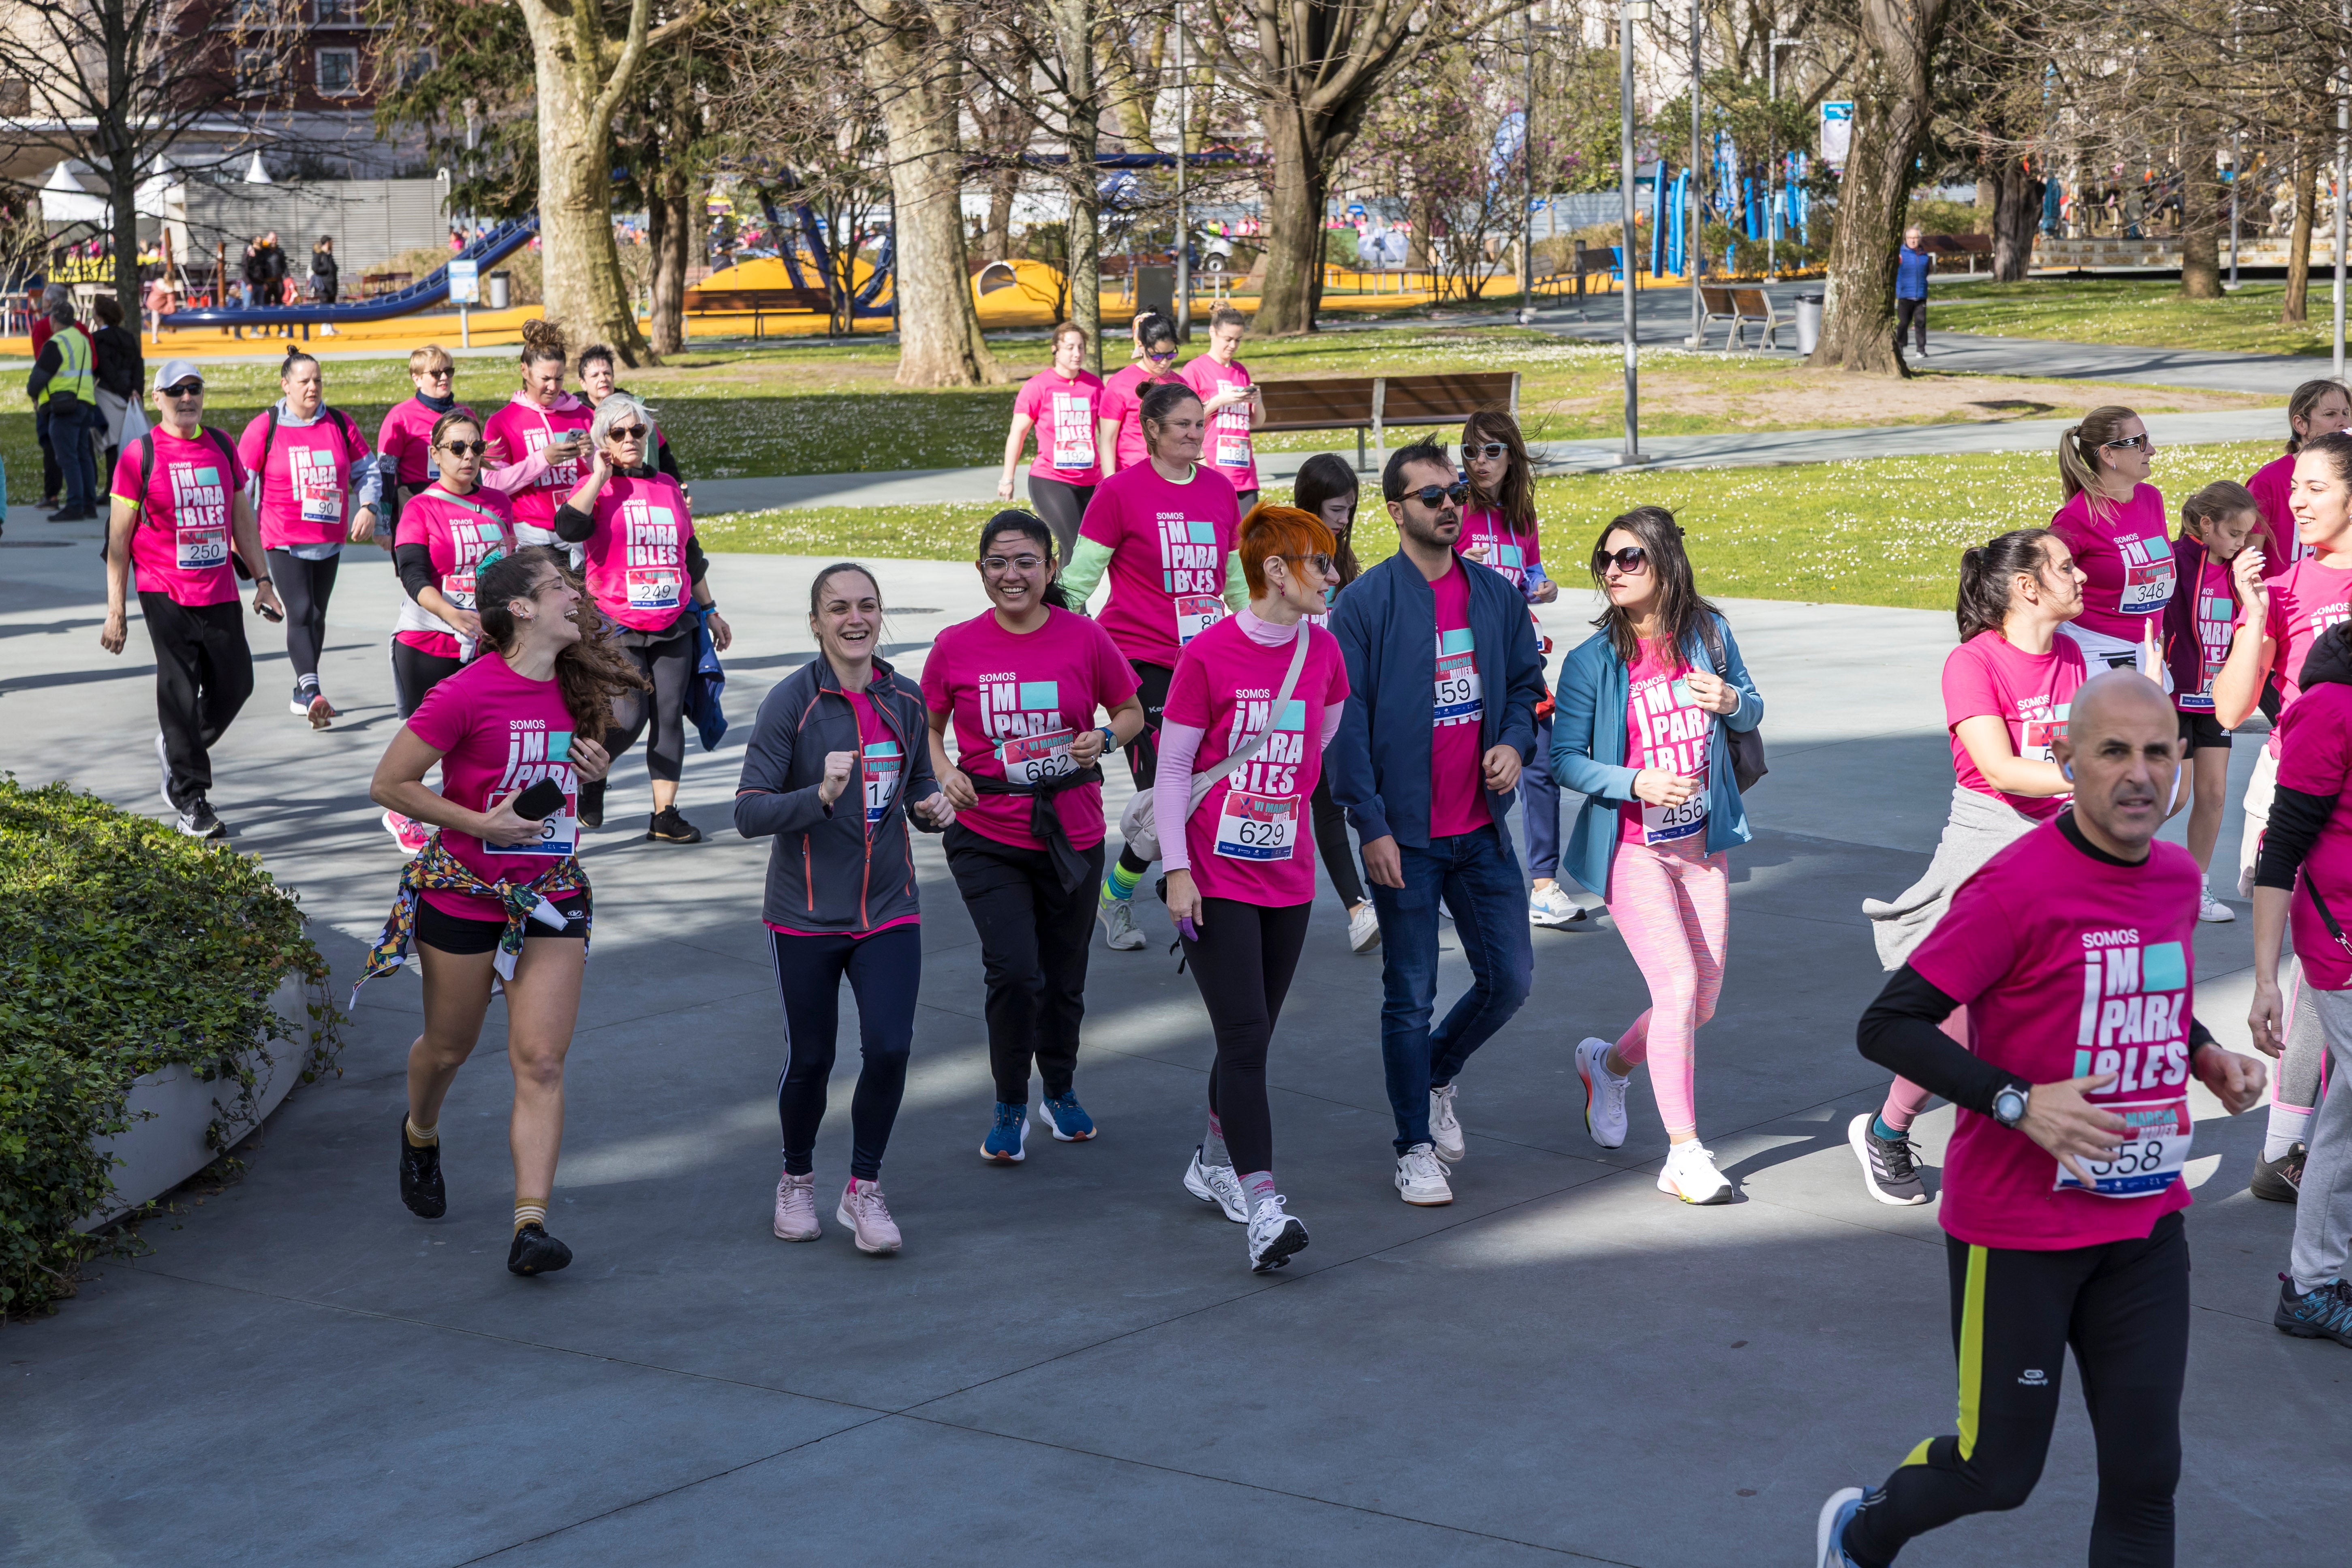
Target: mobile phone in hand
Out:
[542,800]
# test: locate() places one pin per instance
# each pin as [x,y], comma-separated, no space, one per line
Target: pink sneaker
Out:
[796,1208]
[868,1217]
[411,835]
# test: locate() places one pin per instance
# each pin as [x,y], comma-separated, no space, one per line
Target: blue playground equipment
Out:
[431,289]
[812,231]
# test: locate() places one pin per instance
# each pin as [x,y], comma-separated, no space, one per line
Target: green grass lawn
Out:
[1883,531]
[2147,312]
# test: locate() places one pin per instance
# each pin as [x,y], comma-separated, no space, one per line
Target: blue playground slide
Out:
[431,289]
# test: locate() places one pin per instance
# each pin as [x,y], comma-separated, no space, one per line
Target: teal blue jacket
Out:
[1588,751]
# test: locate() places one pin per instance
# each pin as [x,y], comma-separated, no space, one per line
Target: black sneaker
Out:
[420,1177]
[672,828]
[2322,1314]
[1888,1171]
[592,804]
[197,821]
[2279,1180]
[536,1252]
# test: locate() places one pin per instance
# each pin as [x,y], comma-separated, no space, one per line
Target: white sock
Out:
[2287,1125]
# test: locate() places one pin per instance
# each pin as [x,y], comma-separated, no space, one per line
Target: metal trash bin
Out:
[501,286]
[1809,324]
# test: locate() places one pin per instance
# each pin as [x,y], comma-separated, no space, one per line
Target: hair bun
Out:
[541,335]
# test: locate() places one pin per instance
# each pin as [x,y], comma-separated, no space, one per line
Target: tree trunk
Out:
[2017,212]
[996,240]
[669,232]
[1890,120]
[581,282]
[2202,217]
[1075,26]
[2296,309]
[1294,225]
[912,73]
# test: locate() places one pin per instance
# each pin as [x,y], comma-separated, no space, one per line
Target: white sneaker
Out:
[868,1217]
[1117,917]
[1445,1127]
[1604,1094]
[1690,1176]
[796,1208]
[1831,1525]
[1217,1185]
[2213,910]
[1274,1235]
[1363,928]
[1552,908]
[1421,1179]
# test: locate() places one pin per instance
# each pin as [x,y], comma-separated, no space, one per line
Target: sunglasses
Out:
[1629,561]
[186,389]
[1485,449]
[2126,442]
[627,433]
[443,373]
[466,448]
[1320,563]
[1157,357]
[1430,495]
[997,566]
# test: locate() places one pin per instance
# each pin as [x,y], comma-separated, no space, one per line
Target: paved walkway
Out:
[1565,1366]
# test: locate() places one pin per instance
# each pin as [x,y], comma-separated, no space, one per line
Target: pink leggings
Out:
[1672,903]
[1905,1099]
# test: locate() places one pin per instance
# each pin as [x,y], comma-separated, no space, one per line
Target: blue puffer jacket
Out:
[1588,749]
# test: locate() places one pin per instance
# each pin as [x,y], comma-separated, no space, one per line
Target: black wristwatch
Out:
[2009,1105]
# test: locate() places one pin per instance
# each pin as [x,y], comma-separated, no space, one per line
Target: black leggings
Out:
[1242,964]
[2124,1308]
[669,664]
[415,672]
[885,971]
[304,587]
[1910,315]
[1143,751]
[1060,504]
[1032,952]
[1331,843]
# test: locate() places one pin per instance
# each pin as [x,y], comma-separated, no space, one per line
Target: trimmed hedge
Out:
[124,948]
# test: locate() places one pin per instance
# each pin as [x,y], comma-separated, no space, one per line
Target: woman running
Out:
[596,364]
[1635,732]
[541,436]
[1118,436]
[2317,408]
[1167,540]
[2215,524]
[2115,525]
[405,440]
[1254,700]
[644,569]
[1022,683]
[1498,531]
[1326,487]
[841,898]
[1232,402]
[1062,404]
[2006,691]
[446,531]
[315,488]
[522,718]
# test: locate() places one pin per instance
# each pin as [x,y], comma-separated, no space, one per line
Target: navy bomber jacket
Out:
[830,871]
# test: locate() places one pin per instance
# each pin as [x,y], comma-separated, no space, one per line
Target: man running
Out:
[1427,767]
[2072,951]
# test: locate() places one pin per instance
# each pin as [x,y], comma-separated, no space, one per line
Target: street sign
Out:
[1837,135]
[465,283]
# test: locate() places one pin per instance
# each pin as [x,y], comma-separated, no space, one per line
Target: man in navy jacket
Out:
[1443,676]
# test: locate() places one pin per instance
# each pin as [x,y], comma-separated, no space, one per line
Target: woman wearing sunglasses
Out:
[1640,732]
[1120,434]
[1061,404]
[1023,683]
[644,569]
[404,441]
[2115,523]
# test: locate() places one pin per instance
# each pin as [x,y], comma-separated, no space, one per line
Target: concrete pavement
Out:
[1071,1358]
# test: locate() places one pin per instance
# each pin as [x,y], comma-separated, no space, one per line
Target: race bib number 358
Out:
[2155,1147]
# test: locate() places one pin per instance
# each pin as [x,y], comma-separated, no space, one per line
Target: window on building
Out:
[415,64]
[258,71]
[338,71]
[338,13]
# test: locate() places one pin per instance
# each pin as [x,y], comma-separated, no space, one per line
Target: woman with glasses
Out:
[1062,404]
[540,436]
[1022,683]
[1326,487]
[2115,523]
[645,571]
[404,441]
[1640,728]
[1166,538]
[1118,436]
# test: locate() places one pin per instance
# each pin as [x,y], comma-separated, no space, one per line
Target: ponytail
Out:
[2078,454]
[1987,572]
[2222,499]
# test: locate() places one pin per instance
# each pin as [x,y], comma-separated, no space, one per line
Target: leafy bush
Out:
[124,948]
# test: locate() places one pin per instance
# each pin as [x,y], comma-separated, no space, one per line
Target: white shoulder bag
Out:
[1138,825]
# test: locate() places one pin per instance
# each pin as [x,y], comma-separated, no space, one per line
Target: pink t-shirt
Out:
[406,436]
[2214,613]
[2028,692]
[1065,413]
[498,733]
[2305,600]
[1250,839]
[1227,447]
[182,544]
[1664,728]
[636,555]
[527,429]
[1122,399]
[1169,546]
[1015,700]
[2316,757]
[2126,557]
[2271,484]
[457,531]
[308,480]
[1457,745]
[2069,966]
[1518,556]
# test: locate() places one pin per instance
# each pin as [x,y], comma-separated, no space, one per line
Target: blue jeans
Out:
[70,434]
[1478,875]
[1539,798]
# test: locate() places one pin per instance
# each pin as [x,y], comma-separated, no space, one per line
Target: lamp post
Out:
[1693,250]
[1773,47]
[1628,12]
[1184,225]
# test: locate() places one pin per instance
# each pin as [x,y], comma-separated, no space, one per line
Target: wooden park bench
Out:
[759,303]
[1950,249]
[1739,308]
[1370,404]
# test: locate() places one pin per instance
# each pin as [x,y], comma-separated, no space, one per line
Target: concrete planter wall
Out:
[165,1149]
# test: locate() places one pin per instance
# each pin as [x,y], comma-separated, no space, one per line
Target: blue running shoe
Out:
[1004,1145]
[1066,1119]
[1829,1533]
[2325,1313]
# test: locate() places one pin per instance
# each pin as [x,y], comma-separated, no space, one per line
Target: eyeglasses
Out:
[1430,495]
[1485,449]
[186,389]
[1629,561]
[627,433]
[997,566]
[2127,442]
[467,449]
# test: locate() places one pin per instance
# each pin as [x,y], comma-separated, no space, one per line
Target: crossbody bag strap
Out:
[2326,915]
[1202,783]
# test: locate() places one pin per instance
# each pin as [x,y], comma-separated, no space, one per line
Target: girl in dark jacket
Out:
[837,759]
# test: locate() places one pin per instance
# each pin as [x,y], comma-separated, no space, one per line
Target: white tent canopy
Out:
[66,199]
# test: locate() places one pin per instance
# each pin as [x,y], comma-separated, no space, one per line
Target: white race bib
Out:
[1460,694]
[2155,1146]
[1257,827]
[2147,575]
[1074,435]
[654,587]
[1665,824]
[457,587]
[1196,613]
[201,549]
[559,835]
[882,762]
[1033,759]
